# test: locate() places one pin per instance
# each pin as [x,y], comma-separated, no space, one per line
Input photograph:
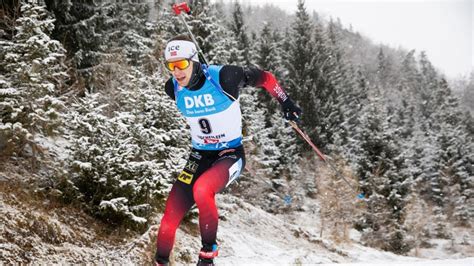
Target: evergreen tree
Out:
[32,77]
[410,84]
[348,89]
[300,53]
[269,154]
[212,37]
[316,79]
[269,58]
[96,31]
[455,151]
[123,163]
[264,49]
[300,64]
[354,100]
[239,31]
[286,140]
[285,57]
[129,30]
[334,37]
[83,41]
[428,86]
[328,85]
[265,58]
[385,68]
[384,181]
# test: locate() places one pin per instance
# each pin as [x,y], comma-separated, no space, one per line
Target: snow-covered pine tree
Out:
[439,156]
[253,118]
[285,45]
[384,68]
[208,28]
[239,31]
[129,29]
[384,180]
[79,27]
[328,82]
[428,84]
[455,152]
[275,140]
[431,184]
[354,99]
[123,162]
[269,57]
[403,94]
[409,83]
[300,54]
[94,31]
[265,58]
[315,79]
[349,93]
[32,77]
[268,153]
[286,139]
[300,59]
[277,65]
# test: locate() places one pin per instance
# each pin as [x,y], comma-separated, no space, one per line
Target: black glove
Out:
[291,111]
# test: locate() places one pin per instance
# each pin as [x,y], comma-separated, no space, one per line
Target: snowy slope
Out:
[42,233]
[447,262]
[250,236]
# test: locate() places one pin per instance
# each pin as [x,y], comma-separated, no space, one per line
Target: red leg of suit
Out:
[206,187]
[181,199]
[178,204]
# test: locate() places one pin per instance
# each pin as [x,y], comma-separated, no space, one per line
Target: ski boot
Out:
[160,261]
[207,255]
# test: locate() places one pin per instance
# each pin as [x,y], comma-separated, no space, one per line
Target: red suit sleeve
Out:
[270,84]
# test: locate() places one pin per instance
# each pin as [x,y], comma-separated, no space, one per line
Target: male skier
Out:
[208,97]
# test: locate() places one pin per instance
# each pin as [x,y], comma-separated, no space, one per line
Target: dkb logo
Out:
[198,101]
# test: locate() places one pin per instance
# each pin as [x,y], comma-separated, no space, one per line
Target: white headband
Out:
[181,49]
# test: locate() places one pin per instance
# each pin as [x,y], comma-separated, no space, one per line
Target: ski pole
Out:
[323,158]
[183,7]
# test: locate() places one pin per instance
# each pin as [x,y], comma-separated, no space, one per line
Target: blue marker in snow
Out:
[287,199]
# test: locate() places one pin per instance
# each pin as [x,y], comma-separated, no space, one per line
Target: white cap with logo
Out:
[180,49]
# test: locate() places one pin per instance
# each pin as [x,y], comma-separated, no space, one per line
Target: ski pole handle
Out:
[181,7]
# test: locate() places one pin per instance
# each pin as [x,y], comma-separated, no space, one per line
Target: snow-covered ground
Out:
[250,236]
[35,232]
[447,262]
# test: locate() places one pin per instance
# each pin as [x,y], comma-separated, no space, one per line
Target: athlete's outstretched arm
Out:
[258,78]
[233,78]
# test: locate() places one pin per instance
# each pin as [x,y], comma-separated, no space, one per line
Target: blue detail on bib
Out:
[218,146]
[208,100]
